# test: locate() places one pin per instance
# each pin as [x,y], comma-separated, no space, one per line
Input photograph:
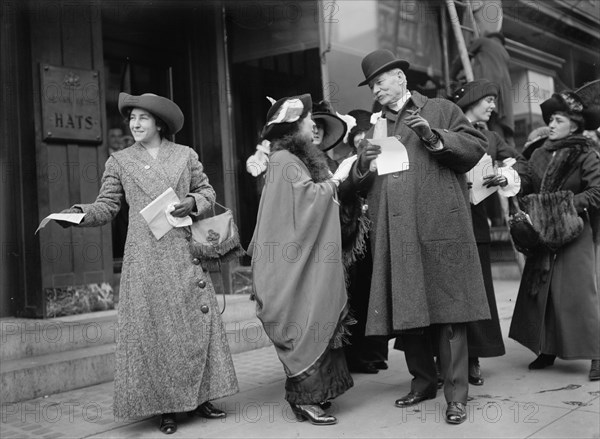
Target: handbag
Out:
[548,221]
[525,237]
[215,239]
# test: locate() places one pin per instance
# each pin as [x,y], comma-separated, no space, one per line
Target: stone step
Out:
[34,376]
[22,338]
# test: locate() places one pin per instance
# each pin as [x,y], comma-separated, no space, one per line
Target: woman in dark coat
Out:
[477,99]
[297,270]
[172,353]
[556,313]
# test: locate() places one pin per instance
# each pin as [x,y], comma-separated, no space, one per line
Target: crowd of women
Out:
[172,354]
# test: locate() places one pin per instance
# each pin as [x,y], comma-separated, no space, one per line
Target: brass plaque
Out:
[70,104]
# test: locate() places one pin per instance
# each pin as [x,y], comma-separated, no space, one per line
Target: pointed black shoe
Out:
[456,413]
[207,410]
[542,361]
[312,413]
[475,377]
[168,423]
[414,398]
[381,365]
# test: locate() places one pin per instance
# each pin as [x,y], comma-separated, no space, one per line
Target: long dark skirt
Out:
[485,336]
[330,380]
[363,349]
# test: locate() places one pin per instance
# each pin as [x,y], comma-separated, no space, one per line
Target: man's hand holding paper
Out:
[393,157]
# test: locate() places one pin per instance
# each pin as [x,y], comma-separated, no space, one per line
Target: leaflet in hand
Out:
[158,214]
[74,218]
[478,191]
[393,157]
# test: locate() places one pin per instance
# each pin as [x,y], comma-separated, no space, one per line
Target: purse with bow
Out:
[215,239]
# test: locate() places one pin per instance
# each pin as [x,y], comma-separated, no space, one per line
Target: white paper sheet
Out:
[74,218]
[478,191]
[393,157]
[154,213]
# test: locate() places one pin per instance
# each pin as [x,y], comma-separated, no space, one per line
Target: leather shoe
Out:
[363,368]
[414,398]
[168,423]
[312,413]
[542,361]
[595,370]
[207,410]
[475,372]
[456,413]
[381,365]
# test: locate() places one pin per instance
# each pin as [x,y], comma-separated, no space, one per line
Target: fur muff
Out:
[554,217]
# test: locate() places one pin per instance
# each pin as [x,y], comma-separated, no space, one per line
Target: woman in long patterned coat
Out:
[172,352]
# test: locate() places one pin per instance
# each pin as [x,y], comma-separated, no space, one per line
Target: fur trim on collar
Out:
[314,159]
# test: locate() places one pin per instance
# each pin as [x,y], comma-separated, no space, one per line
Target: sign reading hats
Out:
[70,104]
[159,106]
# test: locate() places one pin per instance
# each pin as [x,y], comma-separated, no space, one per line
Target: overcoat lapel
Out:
[154,176]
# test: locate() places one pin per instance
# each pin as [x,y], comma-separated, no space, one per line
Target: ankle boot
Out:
[475,377]
[542,361]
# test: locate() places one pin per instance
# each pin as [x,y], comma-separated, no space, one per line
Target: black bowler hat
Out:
[473,91]
[161,107]
[380,61]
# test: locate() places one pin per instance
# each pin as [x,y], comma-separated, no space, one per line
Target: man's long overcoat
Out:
[426,268]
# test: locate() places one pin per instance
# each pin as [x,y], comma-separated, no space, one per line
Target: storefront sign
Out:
[70,104]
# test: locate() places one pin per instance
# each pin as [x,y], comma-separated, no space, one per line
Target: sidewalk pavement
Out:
[514,402]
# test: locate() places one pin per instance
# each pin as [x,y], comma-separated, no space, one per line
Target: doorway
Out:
[252,81]
[137,60]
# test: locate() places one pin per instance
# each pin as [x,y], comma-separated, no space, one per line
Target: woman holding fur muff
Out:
[557,308]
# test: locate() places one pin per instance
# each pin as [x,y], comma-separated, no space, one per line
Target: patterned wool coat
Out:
[425,264]
[172,351]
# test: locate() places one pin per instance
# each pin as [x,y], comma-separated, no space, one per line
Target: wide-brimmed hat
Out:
[284,113]
[161,107]
[570,103]
[473,91]
[363,123]
[334,129]
[380,61]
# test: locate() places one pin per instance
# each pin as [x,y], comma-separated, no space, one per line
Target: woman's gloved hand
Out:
[343,170]
[187,205]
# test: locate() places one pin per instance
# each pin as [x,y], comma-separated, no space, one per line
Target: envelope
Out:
[154,213]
